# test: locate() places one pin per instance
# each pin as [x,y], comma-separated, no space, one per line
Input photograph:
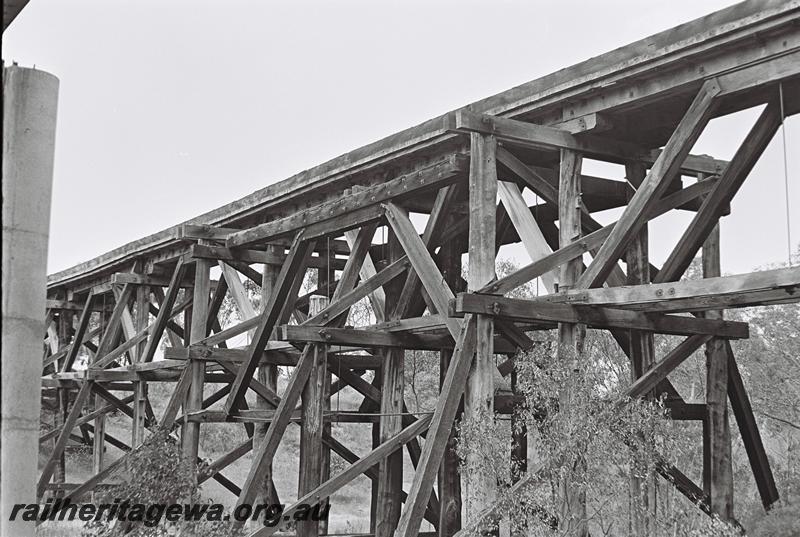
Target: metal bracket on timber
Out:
[355,226]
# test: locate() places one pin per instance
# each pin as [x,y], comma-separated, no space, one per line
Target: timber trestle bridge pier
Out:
[390,223]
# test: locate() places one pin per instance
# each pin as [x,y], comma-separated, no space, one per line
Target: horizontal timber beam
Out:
[353,210]
[287,355]
[544,137]
[737,291]
[596,317]
[375,338]
[202,251]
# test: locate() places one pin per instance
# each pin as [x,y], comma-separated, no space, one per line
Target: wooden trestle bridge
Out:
[643,106]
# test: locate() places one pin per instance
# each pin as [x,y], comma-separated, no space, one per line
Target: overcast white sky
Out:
[171,108]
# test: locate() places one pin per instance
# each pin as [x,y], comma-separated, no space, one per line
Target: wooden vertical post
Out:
[519,446]
[53,334]
[62,404]
[311,425]
[449,478]
[325,276]
[99,437]
[187,324]
[65,331]
[194,396]
[572,516]
[717,464]
[479,393]
[140,386]
[65,328]
[642,353]
[390,469]
[378,302]
[375,434]
[268,375]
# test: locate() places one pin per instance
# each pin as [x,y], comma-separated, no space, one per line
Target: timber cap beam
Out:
[594,316]
[526,134]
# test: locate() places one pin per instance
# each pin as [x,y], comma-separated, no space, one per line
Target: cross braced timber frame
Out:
[533,137]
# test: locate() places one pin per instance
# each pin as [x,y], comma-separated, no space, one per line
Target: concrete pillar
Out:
[30,99]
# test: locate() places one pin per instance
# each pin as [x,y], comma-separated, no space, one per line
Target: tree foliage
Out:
[600,440]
